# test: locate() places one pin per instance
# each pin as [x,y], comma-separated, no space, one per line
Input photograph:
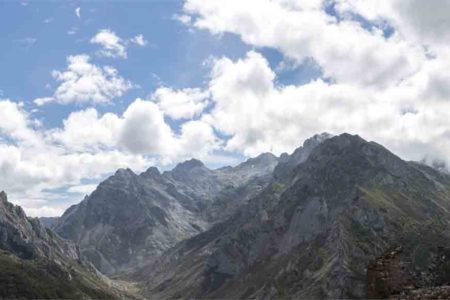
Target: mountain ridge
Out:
[303,225]
[348,227]
[169,206]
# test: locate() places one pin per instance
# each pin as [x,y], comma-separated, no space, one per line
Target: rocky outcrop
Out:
[36,263]
[420,271]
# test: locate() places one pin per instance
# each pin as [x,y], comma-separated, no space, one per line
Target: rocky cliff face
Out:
[130,219]
[313,230]
[36,263]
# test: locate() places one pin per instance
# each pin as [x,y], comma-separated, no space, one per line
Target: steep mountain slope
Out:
[312,232]
[36,264]
[131,218]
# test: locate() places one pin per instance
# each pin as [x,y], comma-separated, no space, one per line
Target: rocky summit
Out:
[338,218]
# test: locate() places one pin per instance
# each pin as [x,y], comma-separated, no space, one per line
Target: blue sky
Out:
[87,87]
[37,41]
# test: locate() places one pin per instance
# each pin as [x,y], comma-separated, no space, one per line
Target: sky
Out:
[87,87]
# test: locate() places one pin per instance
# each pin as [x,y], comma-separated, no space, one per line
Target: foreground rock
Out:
[411,272]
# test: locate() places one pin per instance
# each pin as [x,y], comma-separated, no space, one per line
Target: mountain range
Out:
[340,217]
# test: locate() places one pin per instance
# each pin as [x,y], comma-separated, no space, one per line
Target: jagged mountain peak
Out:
[357,149]
[261,164]
[345,139]
[189,165]
[9,208]
[263,158]
[287,163]
[3,196]
[124,172]
[152,172]
[317,138]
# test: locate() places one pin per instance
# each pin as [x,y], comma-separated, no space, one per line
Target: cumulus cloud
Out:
[258,115]
[139,40]
[144,129]
[42,101]
[391,88]
[181,104]
[84,82]
[114,46]
[140,130]
[197,139]
[85,130]
[426,23]
[89,145]
[32,161]
[78,12]
[344,49]
[15,124]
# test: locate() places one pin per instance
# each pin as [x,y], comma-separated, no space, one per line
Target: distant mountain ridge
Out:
[130,218]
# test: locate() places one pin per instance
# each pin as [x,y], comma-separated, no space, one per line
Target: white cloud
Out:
[344,49]
[183,19]
[139,40]
[145,131]
[181,104]
[114,46]
[14,123]
[43,211]
[86,131]
[84,189]
[409,118]
[422,22]
[393,90]
[140,130]
[84,82]
[35,160]
[197,139]
[78,12]
[42,101]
